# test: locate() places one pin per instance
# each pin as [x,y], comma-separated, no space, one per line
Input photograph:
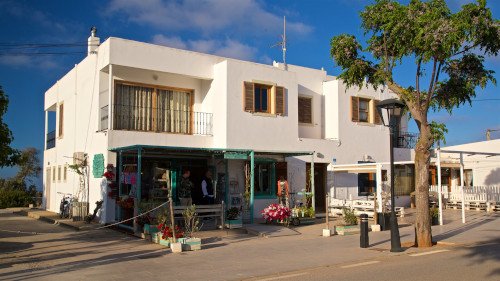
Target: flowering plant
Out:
[166,231]
[276,212]
[109,175]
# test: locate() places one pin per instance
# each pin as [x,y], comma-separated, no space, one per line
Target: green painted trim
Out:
[222,150]
[118,215]
[173,183]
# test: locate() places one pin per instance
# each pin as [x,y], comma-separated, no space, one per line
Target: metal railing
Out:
[162,120]
[405,140]
[51,140]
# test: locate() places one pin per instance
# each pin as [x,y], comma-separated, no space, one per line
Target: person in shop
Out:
[185,189]
[207,189]
[283,191]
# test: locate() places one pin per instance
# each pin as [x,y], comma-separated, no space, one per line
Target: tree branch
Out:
[431,94]
[431,84]
[417,78]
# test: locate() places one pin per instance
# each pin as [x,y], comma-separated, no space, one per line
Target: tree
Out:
[425,35]
[29,166]
[8,155]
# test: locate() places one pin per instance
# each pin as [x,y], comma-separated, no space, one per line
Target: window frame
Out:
[271,193]
[311,112]
[269,89]
[367,111]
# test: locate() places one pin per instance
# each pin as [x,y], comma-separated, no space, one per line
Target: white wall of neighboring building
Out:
[485,169]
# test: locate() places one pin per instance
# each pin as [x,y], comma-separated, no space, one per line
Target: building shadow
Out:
[485,252]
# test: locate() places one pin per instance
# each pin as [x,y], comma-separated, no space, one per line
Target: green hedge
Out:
[10,198]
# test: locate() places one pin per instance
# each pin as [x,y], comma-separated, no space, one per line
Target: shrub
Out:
[10,198]
[349,217]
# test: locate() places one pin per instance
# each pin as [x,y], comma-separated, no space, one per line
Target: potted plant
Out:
[191,222]
[384,218]
[303,215]
[232,218]
[166,234]
[278,213]
[434,213]
[350,223]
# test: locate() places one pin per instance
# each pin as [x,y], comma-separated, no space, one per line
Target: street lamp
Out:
[394,108]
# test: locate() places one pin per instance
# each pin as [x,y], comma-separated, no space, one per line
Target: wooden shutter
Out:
[280,101]
[248,99]
[354,109]
[61,119]
[305,110]
[377,120]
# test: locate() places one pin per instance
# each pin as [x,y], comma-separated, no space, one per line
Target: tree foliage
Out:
[8,155]
[447,50]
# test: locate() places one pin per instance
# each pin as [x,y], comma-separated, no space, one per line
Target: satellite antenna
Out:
[282,43]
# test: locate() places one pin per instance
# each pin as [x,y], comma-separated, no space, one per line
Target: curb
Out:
[35,216]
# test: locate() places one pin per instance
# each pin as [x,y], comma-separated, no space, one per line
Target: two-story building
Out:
[153,111]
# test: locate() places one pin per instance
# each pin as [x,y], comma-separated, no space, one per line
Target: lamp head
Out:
[394,108]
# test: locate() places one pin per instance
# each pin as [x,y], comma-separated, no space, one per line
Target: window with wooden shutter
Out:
[363,110]
[61,119]
[280,101]
[378,118]
[354,109]
[305,110]
[248,99]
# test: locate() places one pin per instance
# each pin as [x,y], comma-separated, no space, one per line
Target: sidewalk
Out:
[54,218]
[232,257]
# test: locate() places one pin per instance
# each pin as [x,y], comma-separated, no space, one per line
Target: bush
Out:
[10,198]
[349,217]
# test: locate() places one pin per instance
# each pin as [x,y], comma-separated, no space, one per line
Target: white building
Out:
[175,109]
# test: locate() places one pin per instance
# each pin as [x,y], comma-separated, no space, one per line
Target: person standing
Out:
[207,188]
[283,191]
[185,189]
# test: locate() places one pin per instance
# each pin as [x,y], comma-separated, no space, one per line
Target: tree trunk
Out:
[423,235]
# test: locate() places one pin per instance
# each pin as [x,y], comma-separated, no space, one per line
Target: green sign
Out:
[235,156]
[98,166]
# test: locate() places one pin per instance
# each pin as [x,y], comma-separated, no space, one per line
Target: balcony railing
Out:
[161,120]
[51,140]
[405,140]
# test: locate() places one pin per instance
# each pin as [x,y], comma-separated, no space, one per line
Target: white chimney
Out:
[93,41]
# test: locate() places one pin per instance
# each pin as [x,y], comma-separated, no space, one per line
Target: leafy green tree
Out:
[8,155]
[446,50]
[29,166]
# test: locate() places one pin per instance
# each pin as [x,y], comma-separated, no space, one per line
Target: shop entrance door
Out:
[319,185]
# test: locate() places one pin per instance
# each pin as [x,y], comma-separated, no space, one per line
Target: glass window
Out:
[264,175]
[261,97]
[404,179]
[366,184]
[364,105]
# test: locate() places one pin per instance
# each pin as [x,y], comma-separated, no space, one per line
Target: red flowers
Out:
[166,231]
[109,175]
[276,212]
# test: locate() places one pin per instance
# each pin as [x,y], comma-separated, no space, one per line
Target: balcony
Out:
[161,120]
[405,140]
[51,140]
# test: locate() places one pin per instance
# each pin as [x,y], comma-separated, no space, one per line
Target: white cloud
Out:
[226,48]
[207,16]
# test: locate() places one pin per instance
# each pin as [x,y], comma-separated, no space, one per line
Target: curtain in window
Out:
[133,108]
[173,112]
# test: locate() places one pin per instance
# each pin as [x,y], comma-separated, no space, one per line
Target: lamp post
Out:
[394,108]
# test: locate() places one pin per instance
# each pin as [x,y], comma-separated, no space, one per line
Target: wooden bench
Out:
[215,211]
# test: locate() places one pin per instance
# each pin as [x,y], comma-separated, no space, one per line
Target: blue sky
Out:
[243,29]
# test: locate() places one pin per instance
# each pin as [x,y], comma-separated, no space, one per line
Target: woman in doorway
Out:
[283,191]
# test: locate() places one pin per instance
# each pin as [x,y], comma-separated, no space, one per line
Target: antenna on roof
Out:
[282,43]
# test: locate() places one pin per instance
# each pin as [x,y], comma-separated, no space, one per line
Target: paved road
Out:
[57,253]
[474,262]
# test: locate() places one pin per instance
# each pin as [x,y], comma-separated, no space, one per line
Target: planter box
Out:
[150,228]
[155,237]
[232,224]
[347,230]
[164,242]
[176,247]
[434,220]
[190,244]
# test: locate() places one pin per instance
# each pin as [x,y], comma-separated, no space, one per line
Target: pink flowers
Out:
[276,212]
